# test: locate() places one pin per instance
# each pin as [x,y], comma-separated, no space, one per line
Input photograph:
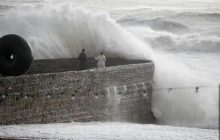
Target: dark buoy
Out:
[15,55]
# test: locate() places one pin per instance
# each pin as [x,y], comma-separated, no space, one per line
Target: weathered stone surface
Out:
[121,93]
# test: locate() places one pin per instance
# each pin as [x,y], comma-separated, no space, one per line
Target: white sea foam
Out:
[64,31]
[105,131]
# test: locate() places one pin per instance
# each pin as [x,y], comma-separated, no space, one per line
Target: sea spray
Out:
[175,100]
[63,31]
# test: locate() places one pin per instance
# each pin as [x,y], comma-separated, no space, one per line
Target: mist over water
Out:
[184,50]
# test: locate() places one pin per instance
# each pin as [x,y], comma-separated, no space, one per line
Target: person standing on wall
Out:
[82,60]
[101,59]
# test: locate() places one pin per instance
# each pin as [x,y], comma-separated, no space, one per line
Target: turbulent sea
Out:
[182,40]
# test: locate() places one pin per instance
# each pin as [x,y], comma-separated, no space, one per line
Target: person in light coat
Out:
[101,59]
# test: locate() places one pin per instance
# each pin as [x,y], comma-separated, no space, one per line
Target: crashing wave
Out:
[61,32]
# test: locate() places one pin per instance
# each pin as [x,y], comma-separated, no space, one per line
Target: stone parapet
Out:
[121,93]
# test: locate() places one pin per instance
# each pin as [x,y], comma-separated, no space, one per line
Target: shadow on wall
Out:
[72,64]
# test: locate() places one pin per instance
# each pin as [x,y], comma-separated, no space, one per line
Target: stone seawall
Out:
[121,93]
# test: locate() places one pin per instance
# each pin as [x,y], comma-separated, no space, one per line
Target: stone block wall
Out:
[121,93]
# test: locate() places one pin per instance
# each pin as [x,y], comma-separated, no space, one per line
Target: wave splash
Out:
[63,31]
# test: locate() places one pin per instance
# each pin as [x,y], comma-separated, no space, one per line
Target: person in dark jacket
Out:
[82,60]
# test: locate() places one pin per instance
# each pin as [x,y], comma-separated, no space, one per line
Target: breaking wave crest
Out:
[64,31]
[186,43]
[161,24]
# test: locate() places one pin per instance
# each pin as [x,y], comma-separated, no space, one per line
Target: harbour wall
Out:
[119,93]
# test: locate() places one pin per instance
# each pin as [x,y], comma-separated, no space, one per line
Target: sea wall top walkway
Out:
[72,64]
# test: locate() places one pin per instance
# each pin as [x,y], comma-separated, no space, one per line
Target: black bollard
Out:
[15,55]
